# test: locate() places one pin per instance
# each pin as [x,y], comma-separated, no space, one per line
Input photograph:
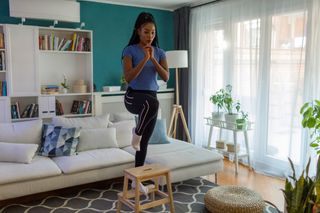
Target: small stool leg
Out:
[137,197]
[170,192]
[125,187]
[119,206]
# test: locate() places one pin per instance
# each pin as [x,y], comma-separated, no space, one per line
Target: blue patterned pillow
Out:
[58,140]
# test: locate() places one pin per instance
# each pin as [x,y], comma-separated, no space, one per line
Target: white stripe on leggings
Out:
[144,115]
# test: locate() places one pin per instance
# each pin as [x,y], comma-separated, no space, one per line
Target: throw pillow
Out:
[21,132]
[17,152]
[124,132]
[159,135]
[85,122]
[97,139]
[59,141]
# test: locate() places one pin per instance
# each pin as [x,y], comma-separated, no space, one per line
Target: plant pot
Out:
[220,144]
[64,90]
[216,117]
[231,120]
[241,124]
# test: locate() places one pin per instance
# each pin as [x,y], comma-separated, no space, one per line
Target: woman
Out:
[143,61]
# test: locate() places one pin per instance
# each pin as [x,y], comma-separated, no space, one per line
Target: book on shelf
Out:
[2,61]
[3,88]
[81,107]
[1,40]
[30,111]
[59,108]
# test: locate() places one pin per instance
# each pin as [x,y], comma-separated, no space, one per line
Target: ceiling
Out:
[157,4]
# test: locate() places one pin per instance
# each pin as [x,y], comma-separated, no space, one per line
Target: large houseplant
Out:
[303,194]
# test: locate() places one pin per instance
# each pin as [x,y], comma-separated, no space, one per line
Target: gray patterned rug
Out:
[188,197]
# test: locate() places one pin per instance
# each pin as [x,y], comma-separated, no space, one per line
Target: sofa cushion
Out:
[40,167]
[93,159]
[85,122]
[17,152]
[59,141]
[97,139]
[21,132]
[124,132]
[178,154]
[159,134]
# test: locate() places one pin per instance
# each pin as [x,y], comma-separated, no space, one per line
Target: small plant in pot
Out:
[64,84]
[242,122]
[124,83]
[218,100]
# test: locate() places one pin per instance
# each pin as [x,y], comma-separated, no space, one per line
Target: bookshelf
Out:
[40,58]
[4,100]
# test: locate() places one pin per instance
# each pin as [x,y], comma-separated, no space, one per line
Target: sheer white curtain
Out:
[268,50]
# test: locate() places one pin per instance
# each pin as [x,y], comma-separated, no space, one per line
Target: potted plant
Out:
[218,100]
[311,120]
[242,122]
[303,194]
[124,83]
[64,84]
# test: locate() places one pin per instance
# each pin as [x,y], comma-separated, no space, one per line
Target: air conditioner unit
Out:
[60,10]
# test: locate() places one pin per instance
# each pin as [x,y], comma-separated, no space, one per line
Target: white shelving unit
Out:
[4,100]
[36,60]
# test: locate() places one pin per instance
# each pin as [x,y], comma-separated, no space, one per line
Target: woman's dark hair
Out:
[142,19]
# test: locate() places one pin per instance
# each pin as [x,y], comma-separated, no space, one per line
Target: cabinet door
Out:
[23,72]
[5,110]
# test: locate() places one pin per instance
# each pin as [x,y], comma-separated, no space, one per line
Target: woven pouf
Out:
[233,199]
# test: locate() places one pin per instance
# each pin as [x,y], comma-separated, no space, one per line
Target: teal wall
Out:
[112,27]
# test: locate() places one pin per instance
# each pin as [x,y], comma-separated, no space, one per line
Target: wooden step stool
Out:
[139,175]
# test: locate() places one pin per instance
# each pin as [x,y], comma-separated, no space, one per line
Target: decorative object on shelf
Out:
[111,88]
[220,144]
[64,84]
[79,86]
[124,83]
[177,59]
[231,147]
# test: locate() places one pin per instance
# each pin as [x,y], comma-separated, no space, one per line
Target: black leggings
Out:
[145,104]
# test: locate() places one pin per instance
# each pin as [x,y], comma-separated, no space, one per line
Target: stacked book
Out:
[49,89]
[81,107]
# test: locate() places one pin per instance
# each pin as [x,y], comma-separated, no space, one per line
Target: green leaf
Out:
[314,145]
[302,109]
[311,122]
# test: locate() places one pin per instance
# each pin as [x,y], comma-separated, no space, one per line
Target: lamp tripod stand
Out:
[176,111]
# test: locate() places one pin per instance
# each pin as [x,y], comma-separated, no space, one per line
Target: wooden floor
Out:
[268,187]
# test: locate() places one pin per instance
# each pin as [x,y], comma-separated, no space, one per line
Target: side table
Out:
[234,128]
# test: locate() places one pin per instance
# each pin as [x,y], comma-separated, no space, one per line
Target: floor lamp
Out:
[177,59]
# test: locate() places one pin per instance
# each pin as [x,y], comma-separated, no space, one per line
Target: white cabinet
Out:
[5,109]
[47,106]
[23,72]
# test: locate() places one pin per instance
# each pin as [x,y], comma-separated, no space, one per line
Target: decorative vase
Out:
[64,90]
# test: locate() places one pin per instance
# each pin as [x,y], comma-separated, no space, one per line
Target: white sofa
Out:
[45,174]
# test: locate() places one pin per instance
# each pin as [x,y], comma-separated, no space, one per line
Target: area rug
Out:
[188,197]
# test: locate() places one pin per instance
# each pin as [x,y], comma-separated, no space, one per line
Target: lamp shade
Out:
[177,58]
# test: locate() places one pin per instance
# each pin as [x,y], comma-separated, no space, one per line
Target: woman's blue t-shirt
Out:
[147,78]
